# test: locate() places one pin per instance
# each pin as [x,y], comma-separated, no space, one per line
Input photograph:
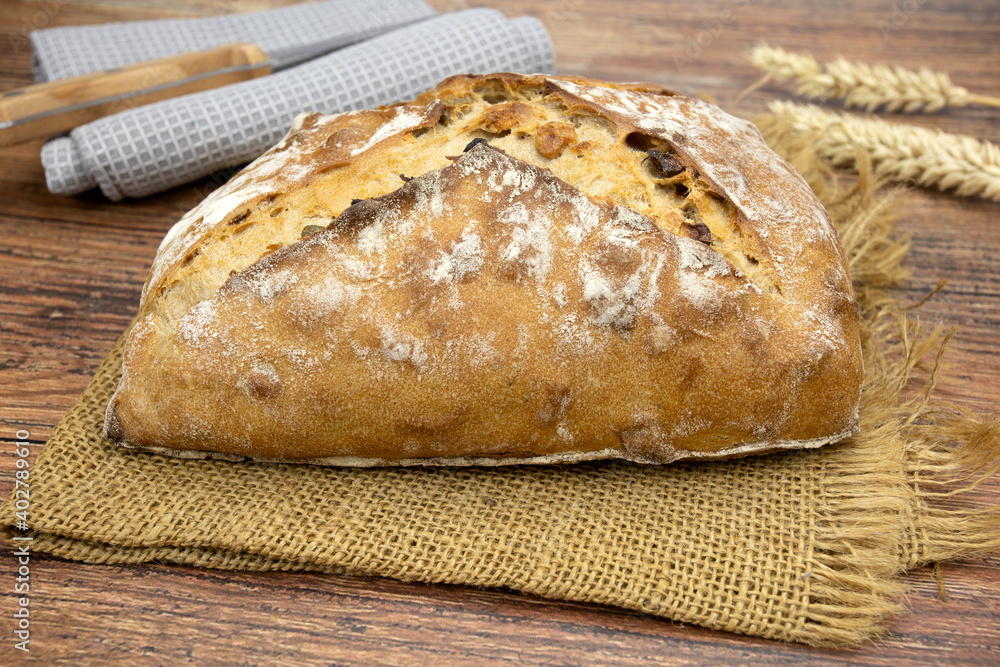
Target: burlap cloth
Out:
[806,547]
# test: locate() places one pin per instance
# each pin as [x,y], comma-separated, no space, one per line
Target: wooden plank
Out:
[173,613]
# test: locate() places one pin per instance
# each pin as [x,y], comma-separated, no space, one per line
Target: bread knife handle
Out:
[57,106]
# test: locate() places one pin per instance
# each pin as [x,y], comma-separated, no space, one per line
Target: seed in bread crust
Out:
[698,231]
[552,137]
[262,382]
[311,229]
[667,163]
[503,117]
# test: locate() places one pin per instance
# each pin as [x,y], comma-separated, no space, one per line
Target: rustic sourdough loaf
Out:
[509,269]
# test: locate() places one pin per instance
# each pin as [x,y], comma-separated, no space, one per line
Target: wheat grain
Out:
[863,85]
[899,152]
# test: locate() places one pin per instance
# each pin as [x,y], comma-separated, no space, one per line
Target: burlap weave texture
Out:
[802,546]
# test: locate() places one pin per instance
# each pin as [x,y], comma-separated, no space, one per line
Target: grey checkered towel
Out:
[158,146]
[70,51]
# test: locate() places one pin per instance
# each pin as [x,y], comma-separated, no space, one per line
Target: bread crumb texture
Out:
[509,269]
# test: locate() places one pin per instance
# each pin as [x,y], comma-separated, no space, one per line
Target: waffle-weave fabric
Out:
[155,147]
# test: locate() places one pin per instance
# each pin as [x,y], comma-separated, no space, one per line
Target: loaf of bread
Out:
[509,269]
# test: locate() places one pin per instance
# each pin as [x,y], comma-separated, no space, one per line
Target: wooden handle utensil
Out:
[57,106]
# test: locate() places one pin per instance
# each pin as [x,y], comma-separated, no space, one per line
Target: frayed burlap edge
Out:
[914,451]
[934,446]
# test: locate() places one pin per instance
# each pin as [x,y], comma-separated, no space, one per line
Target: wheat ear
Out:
[899,152]
[863,85]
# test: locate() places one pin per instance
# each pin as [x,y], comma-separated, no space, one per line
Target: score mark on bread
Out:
[509,269]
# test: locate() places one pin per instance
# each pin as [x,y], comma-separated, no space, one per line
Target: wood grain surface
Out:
[71,269]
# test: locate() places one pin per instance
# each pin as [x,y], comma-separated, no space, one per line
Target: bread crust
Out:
[613,271]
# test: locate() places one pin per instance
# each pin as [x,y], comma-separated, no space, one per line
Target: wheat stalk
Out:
[863,85]
[899,152]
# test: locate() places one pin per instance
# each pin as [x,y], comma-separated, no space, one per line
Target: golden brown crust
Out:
[615,271]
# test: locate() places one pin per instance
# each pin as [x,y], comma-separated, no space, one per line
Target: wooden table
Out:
[72,268]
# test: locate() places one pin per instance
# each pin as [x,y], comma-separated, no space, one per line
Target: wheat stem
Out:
[866,86]
[984,99]
[899,152]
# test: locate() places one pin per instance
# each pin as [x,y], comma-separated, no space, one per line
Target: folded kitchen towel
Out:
[73,50]
[155,147]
